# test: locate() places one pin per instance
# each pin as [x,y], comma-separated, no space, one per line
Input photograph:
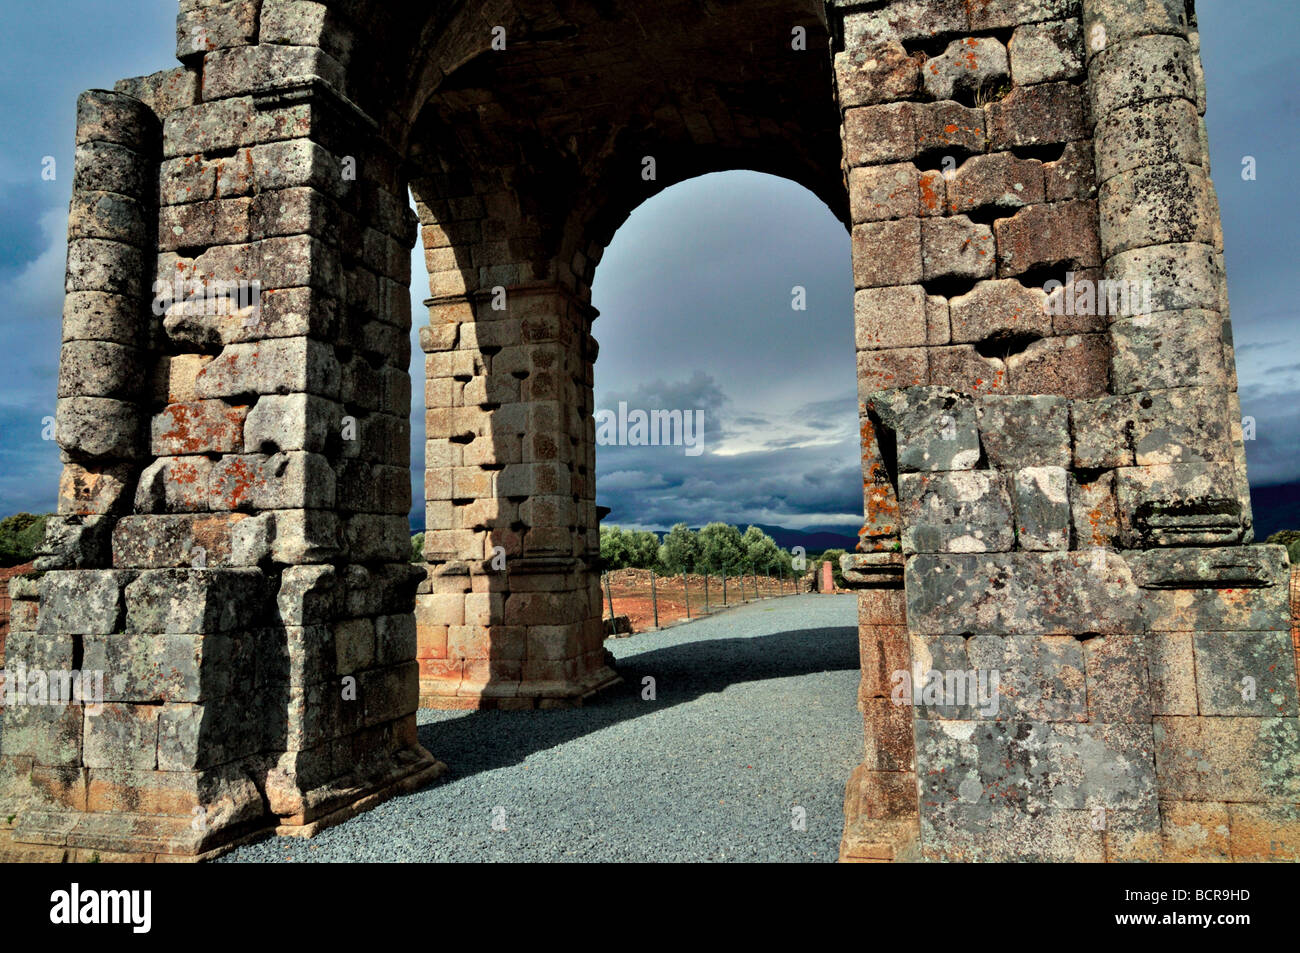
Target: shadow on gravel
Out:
[483,741]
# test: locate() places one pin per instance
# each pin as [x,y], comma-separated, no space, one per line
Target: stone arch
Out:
[231,549]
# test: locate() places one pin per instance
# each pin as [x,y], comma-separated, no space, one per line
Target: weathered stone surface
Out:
[193,601]
[163,92]
[1021,593]
[1037,116]
[82,602]
[277,366]
[1141,69]
[877,193]
[1239,566]
[896,367]
[999,309]
[95,491]
[99,369]
[957,512]
[1181,425]
[1077,365]
[908,20]
[75,542]
[1102,430]
[1042,508]
[880,134]
[1019,431]
[1041,235]
[1180,504]
[98,428]
[1168,349]
[956,247]
[201,426]
[949,128]
[887,253]
[1148,134]
[1072,176]
[1229,759]
[963,368]
[196,540]
[1238,673]
[1156,205]
[174,485]
[1059,776]
[1093,514]
[1112,21]
[281,481]
[1183,276]
[292,422]
[967,67]
[308,594]
[1000,180]
[1046,52]
[879,74]
[934,427]
[890,317]
[106,116]
[1118,679]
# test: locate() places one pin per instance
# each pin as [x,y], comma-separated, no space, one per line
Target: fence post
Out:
[609,594]
[686,588]
[742,585]
[654,598]
[706,593]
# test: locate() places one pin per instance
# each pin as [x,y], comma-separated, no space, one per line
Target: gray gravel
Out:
[756,714]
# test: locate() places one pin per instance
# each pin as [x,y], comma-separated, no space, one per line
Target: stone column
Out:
[252,615]
[1214,609]
[511,616]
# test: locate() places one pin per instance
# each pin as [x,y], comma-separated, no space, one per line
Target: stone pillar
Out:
[251,612]
[1043,463]
[512,613]
[1215,609]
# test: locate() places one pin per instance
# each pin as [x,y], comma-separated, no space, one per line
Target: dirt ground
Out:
[631,591]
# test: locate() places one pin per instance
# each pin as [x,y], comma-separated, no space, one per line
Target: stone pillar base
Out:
[45,835]
[868,841]
[453,694]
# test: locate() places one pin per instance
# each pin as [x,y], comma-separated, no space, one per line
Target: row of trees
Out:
[717,548]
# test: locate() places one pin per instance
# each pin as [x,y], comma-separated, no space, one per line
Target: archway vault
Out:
[1051,493]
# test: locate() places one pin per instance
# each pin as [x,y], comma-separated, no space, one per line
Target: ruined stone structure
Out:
[1057,497]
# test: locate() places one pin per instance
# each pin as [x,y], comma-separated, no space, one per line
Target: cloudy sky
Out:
[695,290]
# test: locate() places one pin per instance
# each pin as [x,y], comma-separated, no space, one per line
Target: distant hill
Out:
[814,539]
[1276,507]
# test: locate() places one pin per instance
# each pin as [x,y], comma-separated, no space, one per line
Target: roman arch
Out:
[1053,490]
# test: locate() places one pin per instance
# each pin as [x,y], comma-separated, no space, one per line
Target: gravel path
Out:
[755,715]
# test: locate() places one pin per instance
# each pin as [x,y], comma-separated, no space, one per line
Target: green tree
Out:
[615,550]
[680,551]
[643,548]
[417,548]
[20,535]
[721,548]
[761,551]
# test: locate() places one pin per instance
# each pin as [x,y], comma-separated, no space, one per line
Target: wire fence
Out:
[644,599]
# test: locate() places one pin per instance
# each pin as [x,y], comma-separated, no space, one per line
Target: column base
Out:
[868,841]
[453,694]
[42,835]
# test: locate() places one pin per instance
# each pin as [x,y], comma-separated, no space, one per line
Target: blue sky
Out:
[694,290]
